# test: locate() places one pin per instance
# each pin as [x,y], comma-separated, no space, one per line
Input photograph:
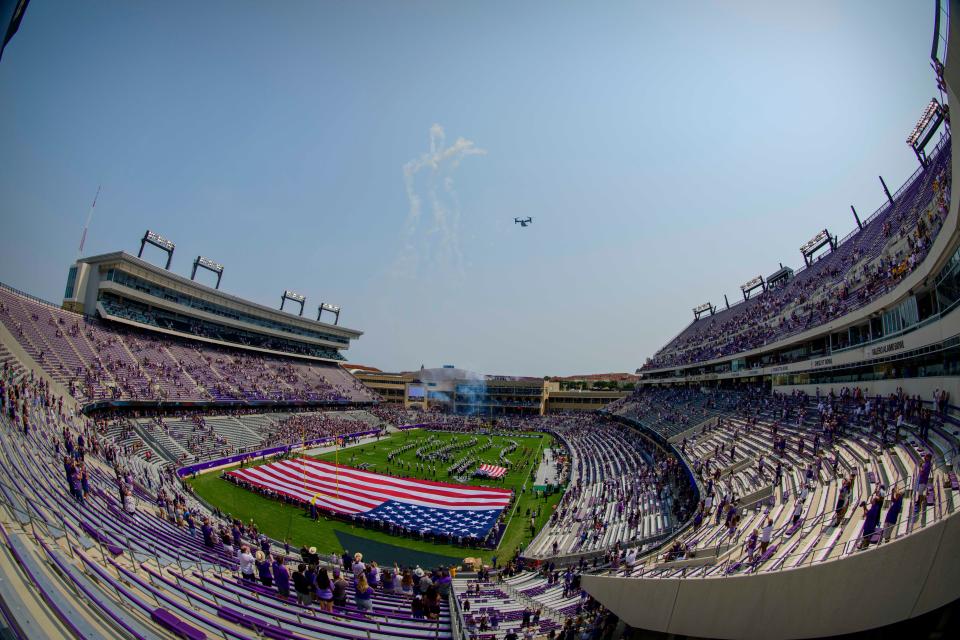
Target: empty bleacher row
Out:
[490,611]
[669,411]
[529,604]
[195,437]
[615,494]
[97,361]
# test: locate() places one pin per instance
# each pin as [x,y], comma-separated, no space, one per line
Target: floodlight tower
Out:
[699,310]
[747,287]
[209,265]
[158,241]
[332,308]
[293,297]
[811,246]
[930,120]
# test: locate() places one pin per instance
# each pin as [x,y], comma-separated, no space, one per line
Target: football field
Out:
[286,522]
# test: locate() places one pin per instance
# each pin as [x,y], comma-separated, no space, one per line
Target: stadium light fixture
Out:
[702,309]
[293,297]
[209,265]
[811,246]
[748,286]
[930,120]
[158,241]
[924,121]
[332,308]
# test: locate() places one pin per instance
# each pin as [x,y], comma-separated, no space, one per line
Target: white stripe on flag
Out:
[354,491]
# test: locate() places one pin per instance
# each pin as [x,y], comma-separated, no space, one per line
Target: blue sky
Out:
[374,155]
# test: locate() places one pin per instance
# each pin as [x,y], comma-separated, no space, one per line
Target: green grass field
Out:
[284,522]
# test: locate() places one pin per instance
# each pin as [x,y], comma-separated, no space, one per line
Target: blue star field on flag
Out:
[437,520]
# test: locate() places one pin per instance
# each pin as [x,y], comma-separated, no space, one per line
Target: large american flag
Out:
[492,471]
[416,505]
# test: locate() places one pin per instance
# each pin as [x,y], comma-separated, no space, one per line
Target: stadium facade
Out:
[472,394]
[123,288]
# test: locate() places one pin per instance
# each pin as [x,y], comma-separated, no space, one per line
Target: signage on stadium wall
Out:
[822,362]
[887,348]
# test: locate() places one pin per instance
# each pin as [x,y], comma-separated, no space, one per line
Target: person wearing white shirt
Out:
[129,503]
[246,563]
[766,534]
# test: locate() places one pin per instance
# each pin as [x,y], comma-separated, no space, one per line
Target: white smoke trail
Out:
[436,247]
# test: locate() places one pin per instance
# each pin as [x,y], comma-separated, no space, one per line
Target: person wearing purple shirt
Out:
[871,520]
[893,514]
[922,479]
[263,569]
[235,533]
[363,594]
[444,583]
[281,577]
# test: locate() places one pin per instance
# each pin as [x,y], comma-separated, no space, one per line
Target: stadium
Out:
[180,461]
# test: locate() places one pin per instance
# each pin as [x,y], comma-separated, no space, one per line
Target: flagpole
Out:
[303,464]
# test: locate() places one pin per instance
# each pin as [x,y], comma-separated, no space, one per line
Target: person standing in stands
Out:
[358,567]
[766,534]
[325,591]
[207,532]
[925,424]
[922,479]
[339,589]
[431,602]
[235,534]
[364,594]
[302,586]
[871,520]
[246,564]
[797,511]
[893,514]
[281,577]
[263,569]
[416,610]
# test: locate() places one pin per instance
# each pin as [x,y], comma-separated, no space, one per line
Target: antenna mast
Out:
[83,238]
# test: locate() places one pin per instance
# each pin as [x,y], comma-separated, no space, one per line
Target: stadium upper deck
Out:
[100,361]
[124,288]
[782,325]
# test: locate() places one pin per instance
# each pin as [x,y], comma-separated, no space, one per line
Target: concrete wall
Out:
[900,580]
[911,386]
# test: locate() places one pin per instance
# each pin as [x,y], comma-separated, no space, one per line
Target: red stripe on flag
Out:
[348,490]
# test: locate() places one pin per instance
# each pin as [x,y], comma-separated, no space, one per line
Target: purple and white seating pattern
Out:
[615,494]
[802,508]
[97,360]
[98,567]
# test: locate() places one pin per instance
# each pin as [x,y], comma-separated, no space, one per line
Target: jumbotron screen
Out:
[416,392]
